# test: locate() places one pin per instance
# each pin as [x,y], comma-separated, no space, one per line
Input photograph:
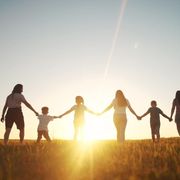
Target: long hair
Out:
[120,98]
[17,89]
[79,99]
[177,96]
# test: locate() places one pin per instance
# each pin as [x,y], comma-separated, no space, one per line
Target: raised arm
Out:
[3,112]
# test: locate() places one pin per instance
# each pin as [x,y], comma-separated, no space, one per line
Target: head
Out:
[178,96]
[18,88]
[45,110]
[79,100]
[120,98]
[153,103]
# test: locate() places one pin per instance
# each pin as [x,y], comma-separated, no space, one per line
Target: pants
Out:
[120,122]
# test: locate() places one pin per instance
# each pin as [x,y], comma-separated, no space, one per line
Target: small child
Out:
[155,119]
[44,120]
[79,120]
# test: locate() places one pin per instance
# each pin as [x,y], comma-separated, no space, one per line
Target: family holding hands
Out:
[120,104]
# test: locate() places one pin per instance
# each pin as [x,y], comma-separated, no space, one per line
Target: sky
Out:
[59,49]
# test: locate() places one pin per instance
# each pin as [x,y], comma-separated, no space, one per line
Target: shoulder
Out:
[74,107]
[127,101]
[10,95]
[150,109]
[84,106]
[114,101]
[50,117]
[40,116]
[19,96]
[158,109]
[175,102]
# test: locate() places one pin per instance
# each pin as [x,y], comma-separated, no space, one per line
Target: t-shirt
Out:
[79,112]
[154,114]
[44,120]
[15,100]
[119,109]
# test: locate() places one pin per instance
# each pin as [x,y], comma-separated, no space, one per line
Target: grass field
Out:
[101,160]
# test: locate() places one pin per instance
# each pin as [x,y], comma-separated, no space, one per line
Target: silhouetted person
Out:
[120,103]
[155,112]
[14,113]
[79,120]
[176,105]
[44,120]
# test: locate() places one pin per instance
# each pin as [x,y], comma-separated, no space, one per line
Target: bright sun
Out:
[99,128]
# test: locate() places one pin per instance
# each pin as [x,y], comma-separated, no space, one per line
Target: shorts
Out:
[14,115]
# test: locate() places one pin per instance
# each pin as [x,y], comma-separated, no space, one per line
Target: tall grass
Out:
[96,160]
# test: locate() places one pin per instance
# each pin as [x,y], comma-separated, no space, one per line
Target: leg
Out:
[123,123]
[21,135]
[81,132]
[6,135]
[117,125]
[157,133]
[153,131]
[39,136]
[153,137]
[46,136]
[120,124]
[76,130]
[178,127]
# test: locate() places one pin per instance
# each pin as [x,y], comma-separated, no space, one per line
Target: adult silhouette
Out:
[176,105]
[120,104]
[14,113]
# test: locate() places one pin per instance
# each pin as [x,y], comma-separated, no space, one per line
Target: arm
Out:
[166,116]
[90,111]
[145,114]
[172,109]
[67,112]
[132,111]
[107,108]
[3,112]
[30,107]
[55,117]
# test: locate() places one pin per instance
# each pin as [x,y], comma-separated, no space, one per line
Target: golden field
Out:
[98,160]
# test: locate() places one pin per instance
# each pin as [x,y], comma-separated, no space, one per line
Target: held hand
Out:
[37,114]
[2,119]
[139,117]
[170,119]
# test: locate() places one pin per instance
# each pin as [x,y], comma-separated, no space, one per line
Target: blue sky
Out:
[59,49]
